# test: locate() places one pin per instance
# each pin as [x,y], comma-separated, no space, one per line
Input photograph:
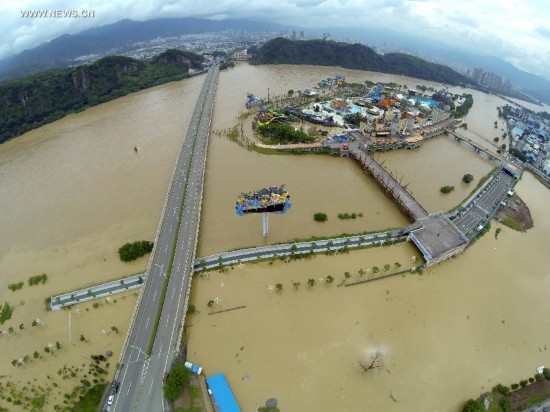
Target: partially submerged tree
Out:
[374,363]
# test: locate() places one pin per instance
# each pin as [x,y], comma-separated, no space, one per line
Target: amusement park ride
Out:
[267,200]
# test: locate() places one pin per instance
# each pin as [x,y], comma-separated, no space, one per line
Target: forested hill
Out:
[351,56]
[36,100]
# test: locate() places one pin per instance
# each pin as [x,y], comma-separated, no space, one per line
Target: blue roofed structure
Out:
[223,396]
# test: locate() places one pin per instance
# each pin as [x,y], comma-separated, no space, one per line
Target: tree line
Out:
[351,56]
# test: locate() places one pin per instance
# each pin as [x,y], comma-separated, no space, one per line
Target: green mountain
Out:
[36,100]
[352,56]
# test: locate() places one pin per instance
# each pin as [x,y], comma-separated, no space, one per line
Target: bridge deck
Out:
[389,184]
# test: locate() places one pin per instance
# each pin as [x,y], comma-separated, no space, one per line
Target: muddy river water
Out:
[73,191]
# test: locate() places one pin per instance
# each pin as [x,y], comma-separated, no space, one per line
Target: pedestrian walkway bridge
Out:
[391,187]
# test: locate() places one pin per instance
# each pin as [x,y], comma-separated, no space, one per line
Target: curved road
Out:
[141,376]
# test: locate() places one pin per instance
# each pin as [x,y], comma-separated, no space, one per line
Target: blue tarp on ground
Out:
[222,393]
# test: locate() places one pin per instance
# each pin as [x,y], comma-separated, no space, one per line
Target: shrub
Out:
[135,250]
[5,312]
[320,217]
[503,390]
[35,280]
[523,383]
[514,386]
[15,286]
[473,406]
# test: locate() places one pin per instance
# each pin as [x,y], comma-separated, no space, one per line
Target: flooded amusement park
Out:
[437,337]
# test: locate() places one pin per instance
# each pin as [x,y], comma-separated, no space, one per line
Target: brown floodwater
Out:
[445,336]
[73,191]
[441,161]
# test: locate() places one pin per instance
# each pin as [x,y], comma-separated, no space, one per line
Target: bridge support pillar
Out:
[265,224]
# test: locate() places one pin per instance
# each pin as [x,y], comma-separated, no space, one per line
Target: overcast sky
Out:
[516,31]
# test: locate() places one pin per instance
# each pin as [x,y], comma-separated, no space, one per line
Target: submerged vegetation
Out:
[135,250]
[447,189]
[280,133]
[5,312]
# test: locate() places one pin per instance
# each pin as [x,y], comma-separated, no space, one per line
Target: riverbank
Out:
[51,96]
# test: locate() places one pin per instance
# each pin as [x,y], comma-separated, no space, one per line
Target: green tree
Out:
[82,338]
[397,265]
[210,303]
[375,269]
[386,267]
[361,272]
[134,250]
[329,279]
[279,287]
[347,275]
[503,390]
[474,406]
[114,329]
[36,355]
[311,282]
[320,217]
[296,285]
[468,178]
[175,382]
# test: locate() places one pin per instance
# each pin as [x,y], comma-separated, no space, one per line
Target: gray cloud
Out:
[543,30]
[427,17]
[465,20]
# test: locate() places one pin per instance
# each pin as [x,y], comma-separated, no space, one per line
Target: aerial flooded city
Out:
[275,221]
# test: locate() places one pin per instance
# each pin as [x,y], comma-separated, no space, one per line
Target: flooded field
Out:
[444,336]
[73,191]
[440,161]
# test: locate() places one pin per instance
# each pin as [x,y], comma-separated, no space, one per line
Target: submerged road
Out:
[169,273]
